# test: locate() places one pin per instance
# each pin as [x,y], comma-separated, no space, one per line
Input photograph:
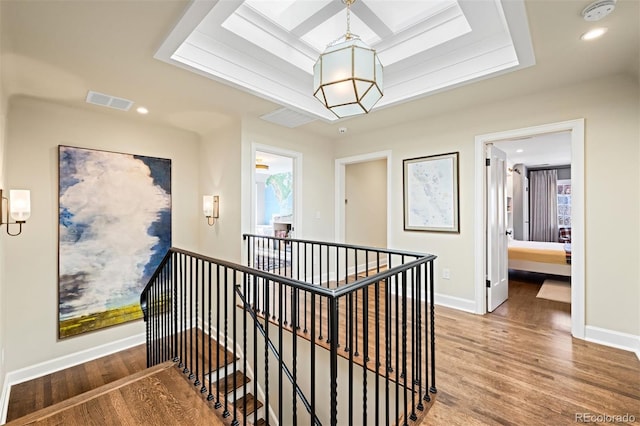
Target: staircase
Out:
[226,387]
[327,334]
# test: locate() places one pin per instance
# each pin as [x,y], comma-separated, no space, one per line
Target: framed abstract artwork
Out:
[431,193]
[114,228]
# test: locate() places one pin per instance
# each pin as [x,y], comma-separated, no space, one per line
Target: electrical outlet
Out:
[446,274]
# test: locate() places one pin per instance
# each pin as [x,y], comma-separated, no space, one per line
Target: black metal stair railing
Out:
[382,316]
[298,334]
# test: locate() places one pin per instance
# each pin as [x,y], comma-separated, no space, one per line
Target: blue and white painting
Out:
[114,229]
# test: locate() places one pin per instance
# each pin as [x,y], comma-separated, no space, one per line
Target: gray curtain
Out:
[543,205]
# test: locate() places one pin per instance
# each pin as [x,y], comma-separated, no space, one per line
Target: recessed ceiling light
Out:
[142,110]
[593,34]
[519,150]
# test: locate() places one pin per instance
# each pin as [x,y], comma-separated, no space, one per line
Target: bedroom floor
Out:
[523,305]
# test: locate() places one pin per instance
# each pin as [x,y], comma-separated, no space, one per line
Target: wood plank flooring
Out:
[502,368]
[523,305]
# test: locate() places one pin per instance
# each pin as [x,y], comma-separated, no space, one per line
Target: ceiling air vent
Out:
[288,118]
[108,101]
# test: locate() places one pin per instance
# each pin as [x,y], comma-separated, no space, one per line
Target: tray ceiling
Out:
[268,48]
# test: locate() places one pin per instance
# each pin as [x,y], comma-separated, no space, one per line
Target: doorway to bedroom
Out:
[275,192]
[530,238]
[538,193]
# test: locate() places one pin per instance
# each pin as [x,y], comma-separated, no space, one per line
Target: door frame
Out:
[576,127]
[297,183]
[340,188]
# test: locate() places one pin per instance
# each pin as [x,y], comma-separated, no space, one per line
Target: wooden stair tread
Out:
[226,383]
[248,404]
[219,355]
[261,422]
[125,401]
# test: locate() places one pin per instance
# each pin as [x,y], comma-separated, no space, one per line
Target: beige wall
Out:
[610,108]
[220,175]
[35,129]
[3,114]
[366,207]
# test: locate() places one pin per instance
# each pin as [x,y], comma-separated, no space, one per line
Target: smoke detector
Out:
[598,10]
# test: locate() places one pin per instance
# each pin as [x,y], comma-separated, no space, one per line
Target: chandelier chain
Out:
[348,35]
[348,19]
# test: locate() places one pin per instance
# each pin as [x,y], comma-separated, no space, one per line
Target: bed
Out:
[542,257]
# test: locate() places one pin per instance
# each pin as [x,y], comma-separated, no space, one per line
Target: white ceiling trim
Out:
[489,38]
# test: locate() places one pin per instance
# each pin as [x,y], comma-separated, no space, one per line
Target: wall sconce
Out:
[18,206]
[211,208]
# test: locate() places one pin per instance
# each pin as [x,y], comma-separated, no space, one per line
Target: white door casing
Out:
[297,184]
[576,127]
[497,269]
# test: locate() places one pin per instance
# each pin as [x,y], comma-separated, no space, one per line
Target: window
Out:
[564,203]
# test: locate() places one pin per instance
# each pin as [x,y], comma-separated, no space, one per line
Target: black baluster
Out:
[333,362]
[377,346]
[284,312]
[245,279]
[235,358]
[255,353]
[266,350]
[355,326]
[404,343]
[313,355]
[225,274]
[218,404]
[426,396]
[195,286]
[348,341]
[185,332]
[350,315]
[282,299]
[397,340]
[432,389]
[365,349]
[191,328]
[294,326]
[175,306]
[305,330]
[388,342]
[202,293]
[418,328]
[210,337]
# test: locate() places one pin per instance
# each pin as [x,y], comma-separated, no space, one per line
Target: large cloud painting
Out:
[114,229]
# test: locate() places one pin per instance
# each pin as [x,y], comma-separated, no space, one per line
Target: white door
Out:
[525,209]
[497,268]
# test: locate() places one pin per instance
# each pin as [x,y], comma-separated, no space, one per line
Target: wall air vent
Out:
[288,118]
[108,101]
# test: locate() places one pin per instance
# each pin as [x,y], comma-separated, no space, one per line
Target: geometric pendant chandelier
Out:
[347,77]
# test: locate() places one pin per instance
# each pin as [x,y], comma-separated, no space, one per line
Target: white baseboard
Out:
[57,364]
[458,303]
[615,339]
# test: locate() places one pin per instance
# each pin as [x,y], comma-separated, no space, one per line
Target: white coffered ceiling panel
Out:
[268,48]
